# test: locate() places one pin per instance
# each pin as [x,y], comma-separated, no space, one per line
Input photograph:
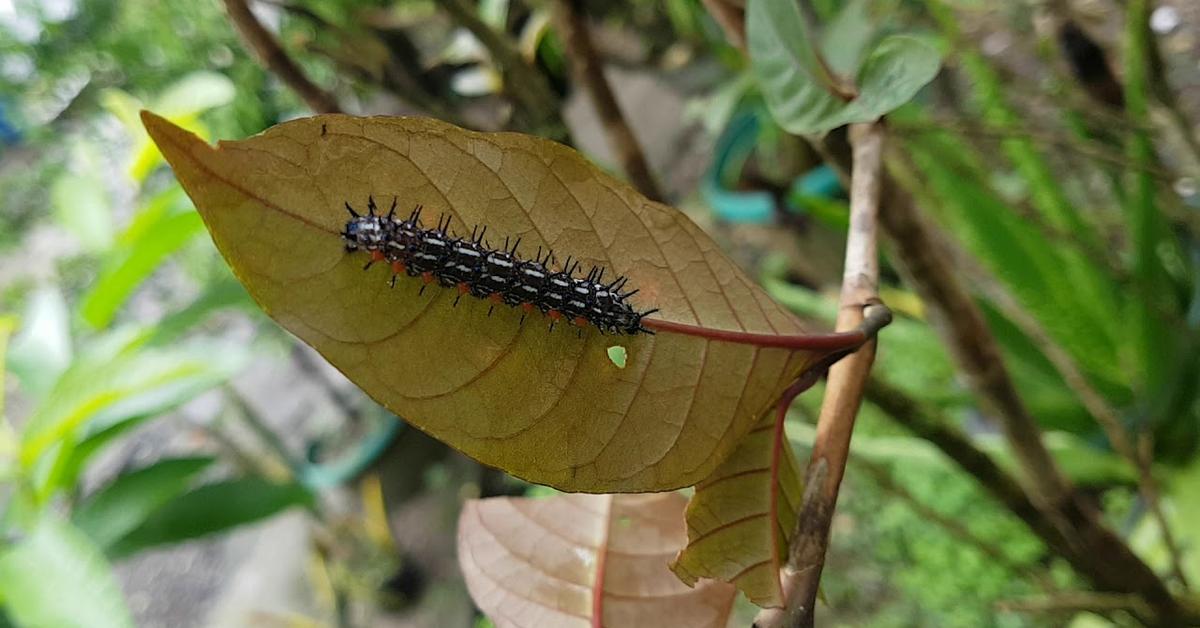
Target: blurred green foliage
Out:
[90,370]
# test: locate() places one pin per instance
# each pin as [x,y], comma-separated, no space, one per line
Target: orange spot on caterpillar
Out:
[398,267]
[554,314]
[376,256]
[464,288]
[496,298]
[580,321]
[528,307]
[427,276]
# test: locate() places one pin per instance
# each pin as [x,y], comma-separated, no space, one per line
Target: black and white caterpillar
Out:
[501,276]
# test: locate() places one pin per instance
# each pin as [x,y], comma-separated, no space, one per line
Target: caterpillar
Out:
[500,276]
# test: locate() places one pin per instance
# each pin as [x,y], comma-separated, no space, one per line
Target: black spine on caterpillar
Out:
[501,276]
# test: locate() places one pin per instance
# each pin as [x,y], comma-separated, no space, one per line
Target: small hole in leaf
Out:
[617,355]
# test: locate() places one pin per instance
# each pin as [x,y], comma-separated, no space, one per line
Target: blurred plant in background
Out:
[1056,157]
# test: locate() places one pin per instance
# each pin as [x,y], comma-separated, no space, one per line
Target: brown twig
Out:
[843,393]
[587,69]
[273,57]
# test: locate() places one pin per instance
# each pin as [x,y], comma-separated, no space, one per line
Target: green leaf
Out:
[1045,189]
[126,502]
[108,425]
[41,350]
[1148,230]
[798,43]
[119,381]
[73,454]
[56,577]
[847,36]
[182,102]
[897,68]
[210,509]
[893,72]
[1047,275]
[128,268]
[1185,497]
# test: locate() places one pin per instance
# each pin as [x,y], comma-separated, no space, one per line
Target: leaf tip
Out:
[169,137]
[153,122]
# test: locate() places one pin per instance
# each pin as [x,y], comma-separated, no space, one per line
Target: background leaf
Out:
[112,383]
[212,508]
[551,408]
[121,505]
[56,577]
[164,226]
[892,73]
[541,562]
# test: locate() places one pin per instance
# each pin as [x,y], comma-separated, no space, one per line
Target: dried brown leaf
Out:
[583,561]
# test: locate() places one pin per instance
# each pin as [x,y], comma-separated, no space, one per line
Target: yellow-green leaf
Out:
[741,519]
[583,561]
[550,407]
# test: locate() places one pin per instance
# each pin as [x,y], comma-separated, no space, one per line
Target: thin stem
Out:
[273,57]
[838,341]
[587,69]
[843,393]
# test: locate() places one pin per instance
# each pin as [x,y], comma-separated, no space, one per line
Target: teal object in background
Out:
[320,476]
[732,150]
[821,181]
